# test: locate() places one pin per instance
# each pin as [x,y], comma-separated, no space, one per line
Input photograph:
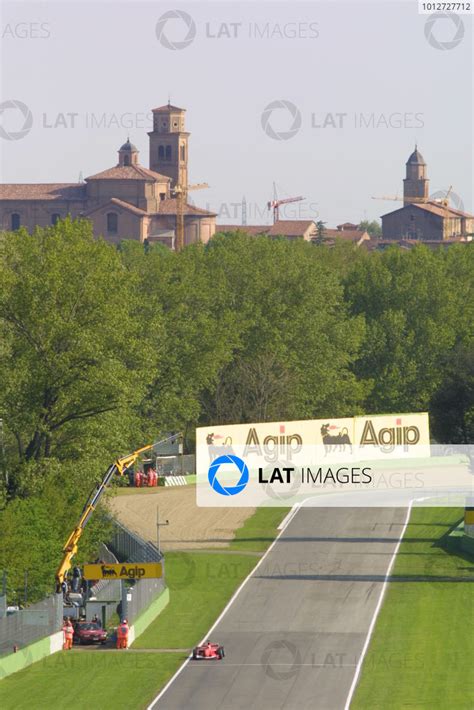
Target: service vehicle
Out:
[89,632]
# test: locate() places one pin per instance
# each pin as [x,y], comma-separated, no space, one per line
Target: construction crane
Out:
[119,467]
[181,193]
[443,200]
[396,198]
[275,203]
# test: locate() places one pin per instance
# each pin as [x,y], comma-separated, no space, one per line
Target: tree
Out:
[320,233]
[296,341]
[452,405]
[374,228]
[74,358]
[412,307]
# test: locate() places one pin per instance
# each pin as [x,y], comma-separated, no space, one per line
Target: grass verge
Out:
[422,652]
[201,583]
[107,680]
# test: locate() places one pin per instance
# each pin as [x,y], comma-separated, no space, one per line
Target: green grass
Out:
[201,583]
[421,655]
[200,586]
[258,532]
[89,679]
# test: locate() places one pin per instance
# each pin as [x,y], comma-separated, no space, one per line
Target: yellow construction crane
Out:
[443,200]
[119,467]
[396,198]
[181,194]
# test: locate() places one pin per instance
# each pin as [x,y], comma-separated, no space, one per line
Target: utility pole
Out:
[158,526]
[2,452]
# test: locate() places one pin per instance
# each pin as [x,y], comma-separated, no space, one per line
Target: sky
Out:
[324,99]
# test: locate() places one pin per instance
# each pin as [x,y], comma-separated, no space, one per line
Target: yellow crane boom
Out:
[117,468]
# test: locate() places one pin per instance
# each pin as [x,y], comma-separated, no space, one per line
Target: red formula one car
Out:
[208,652]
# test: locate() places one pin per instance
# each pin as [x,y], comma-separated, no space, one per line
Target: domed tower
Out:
[128,154]
[415,185]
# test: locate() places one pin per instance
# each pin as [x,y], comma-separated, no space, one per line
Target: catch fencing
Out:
[26,626]
[176,465]
[137,595]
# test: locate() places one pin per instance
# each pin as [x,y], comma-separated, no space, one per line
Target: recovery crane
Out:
[119,467]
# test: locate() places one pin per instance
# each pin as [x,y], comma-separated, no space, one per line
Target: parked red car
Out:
[89,632]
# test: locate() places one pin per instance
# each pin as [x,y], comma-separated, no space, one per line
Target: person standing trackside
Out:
[68,633]
[122,634]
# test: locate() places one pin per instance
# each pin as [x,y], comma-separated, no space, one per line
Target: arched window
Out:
[16,221]
[168,152]
[161,152]
[183,152]
[126,160]
[54,218]
[112,223]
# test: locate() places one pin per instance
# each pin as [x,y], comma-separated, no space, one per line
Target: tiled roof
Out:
[119,203]
[167,107]
[441,210]
[291,227]
[170,206]
[129,172]
[283,228]
[72,191]
[347,225]
[434,208]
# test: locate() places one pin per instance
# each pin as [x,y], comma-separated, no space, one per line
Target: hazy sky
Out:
[358,83]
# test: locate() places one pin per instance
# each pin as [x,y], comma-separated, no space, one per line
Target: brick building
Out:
[126,201]
[422,218]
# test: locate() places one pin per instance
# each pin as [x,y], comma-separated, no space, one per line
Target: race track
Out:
[295,632]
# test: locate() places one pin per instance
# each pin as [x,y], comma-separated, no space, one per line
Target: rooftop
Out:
[71,191]
[129,172]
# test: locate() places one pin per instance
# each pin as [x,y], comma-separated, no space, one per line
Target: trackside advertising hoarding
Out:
[359,461]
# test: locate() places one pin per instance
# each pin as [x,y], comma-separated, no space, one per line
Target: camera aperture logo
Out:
[185,19]
[219,487]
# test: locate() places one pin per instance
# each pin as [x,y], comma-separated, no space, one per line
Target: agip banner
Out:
[365,437]
[366,460]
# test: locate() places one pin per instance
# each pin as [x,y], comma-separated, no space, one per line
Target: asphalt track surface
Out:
[294,634]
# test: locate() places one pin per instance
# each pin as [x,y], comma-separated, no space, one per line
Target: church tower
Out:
[169,144]
[415,185]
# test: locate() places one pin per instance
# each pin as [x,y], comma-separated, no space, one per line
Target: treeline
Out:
[104,348]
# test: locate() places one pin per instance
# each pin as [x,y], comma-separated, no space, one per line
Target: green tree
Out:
[296,341]
[74,359]
[320,233]
[452,406]
[374,228]
[411,305]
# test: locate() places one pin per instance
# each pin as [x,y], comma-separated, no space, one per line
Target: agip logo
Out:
[233,461]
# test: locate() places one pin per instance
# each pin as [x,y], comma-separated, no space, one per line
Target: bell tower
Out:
[416,184]
[169,144]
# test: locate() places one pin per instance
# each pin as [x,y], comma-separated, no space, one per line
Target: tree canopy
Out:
[103,349]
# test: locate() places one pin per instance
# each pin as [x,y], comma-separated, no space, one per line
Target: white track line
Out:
[223,613]
[289,517]
[376,612]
